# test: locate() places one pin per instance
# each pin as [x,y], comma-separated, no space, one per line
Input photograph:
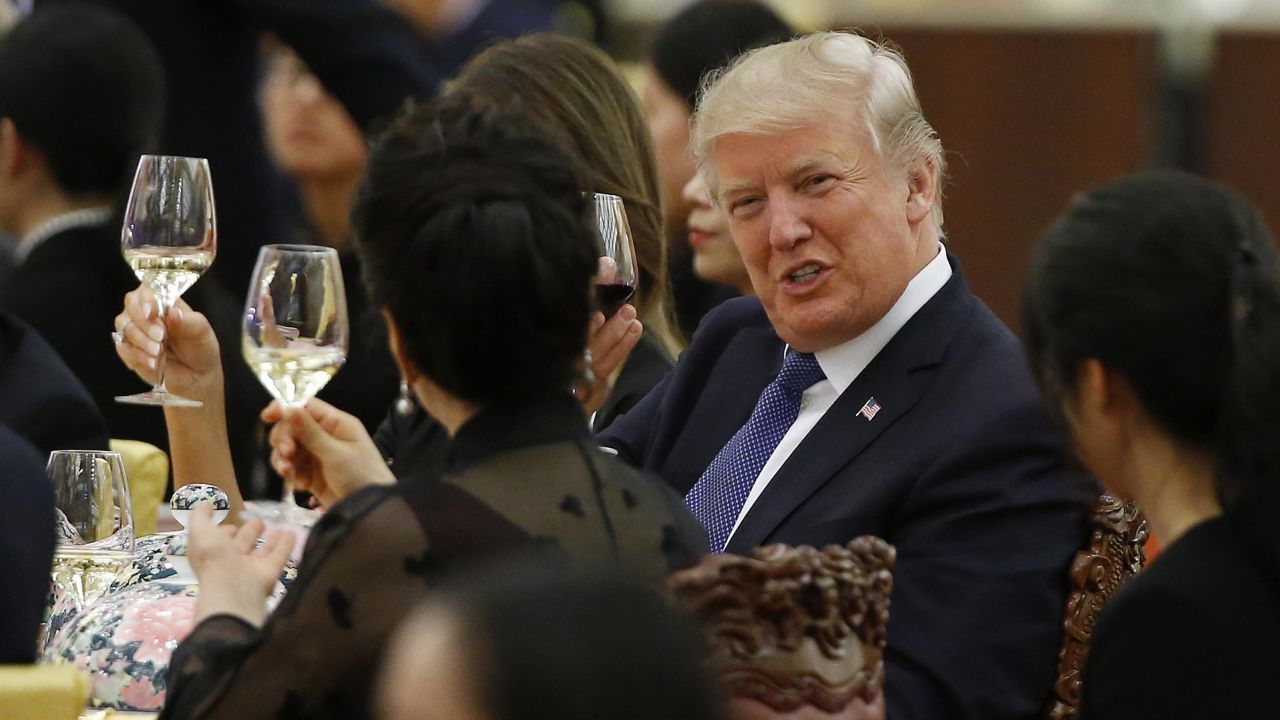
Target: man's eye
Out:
[740,206]
[819,180]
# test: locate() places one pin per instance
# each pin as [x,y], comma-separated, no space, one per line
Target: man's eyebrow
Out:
[808,163]
[737,187]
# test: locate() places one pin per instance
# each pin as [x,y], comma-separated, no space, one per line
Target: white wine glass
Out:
[295,324]
[94,517]
[617,279]
[169,238]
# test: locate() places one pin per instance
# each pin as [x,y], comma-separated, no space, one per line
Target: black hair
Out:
[549,639]
[84,86]
[475,237]
[1171,281]
[707,35]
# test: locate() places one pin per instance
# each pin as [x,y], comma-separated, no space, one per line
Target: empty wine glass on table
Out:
[94,519]
[295,324]
[616,280]
[169,238]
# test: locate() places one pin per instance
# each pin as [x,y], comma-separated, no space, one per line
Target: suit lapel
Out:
[896,378]
[733,386]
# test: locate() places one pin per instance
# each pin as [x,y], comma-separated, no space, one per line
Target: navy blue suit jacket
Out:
[39,397]
[960,470]
[26,547]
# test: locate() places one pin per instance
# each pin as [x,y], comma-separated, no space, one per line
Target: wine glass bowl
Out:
[295,321]
[617,278]
[169,239]
[94,522]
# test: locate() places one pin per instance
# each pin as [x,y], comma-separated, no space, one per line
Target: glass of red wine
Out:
[617,278]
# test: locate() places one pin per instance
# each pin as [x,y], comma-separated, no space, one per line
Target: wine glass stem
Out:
[163,312]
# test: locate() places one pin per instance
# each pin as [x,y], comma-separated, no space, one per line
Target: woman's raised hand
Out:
[236,573]
[610,342]
[324,451]
[193,368]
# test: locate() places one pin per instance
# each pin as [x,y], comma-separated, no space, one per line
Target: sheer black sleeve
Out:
[358,578]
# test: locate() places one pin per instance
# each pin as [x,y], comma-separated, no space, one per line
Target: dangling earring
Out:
[404,403]
[588,375]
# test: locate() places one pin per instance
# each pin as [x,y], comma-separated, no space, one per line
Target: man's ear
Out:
[922,190]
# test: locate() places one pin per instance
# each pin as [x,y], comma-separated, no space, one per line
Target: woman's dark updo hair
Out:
[473,232]
[1171,281]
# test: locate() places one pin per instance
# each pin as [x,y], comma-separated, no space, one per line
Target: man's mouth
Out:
[805,274]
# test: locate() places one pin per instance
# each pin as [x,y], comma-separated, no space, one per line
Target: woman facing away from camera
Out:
[477,246]
[1152,317]
[578,95]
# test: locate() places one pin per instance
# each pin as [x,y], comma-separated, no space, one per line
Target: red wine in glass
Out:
[611,296]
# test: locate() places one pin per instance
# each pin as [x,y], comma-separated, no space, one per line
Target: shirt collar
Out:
[86,217]
[558,418]
[844,362]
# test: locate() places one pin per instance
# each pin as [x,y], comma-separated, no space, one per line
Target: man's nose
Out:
[787,224]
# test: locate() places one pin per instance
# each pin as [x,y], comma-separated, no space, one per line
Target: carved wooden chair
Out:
[1114,554]
[795,633]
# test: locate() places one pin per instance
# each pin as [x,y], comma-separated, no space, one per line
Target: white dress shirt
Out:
[843,363]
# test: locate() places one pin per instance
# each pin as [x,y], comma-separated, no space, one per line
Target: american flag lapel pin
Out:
[869,409]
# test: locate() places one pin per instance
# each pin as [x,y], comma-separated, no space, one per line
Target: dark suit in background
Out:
[960,470]
[365,55]
[70,289]
[39,397]
[26,547]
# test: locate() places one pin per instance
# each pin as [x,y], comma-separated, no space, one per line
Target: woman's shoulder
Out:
[365,511]
[1201,613]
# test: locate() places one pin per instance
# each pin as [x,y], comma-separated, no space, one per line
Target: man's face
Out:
[829,235]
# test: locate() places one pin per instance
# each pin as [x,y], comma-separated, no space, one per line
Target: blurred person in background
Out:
[314,141]
[704,36]
[26,547]
[452,198]
[454,30]
[1152,316]
[81,96]
[535,640]
[364,53]
[715,257]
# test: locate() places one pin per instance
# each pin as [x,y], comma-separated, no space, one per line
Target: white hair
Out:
[826,75]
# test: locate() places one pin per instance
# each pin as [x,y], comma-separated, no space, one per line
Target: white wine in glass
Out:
[95,532]
[295,324]
[169,238]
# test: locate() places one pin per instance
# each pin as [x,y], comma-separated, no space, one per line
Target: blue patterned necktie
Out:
[718,496]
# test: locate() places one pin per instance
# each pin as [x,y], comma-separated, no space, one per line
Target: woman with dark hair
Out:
[1152,317]
[474,234]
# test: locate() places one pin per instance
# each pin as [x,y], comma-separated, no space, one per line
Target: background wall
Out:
[1036,100]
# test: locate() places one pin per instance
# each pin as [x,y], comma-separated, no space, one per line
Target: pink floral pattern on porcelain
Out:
[125,640]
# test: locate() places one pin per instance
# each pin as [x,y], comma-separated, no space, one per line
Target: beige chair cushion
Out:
[147,467]
[42,692]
